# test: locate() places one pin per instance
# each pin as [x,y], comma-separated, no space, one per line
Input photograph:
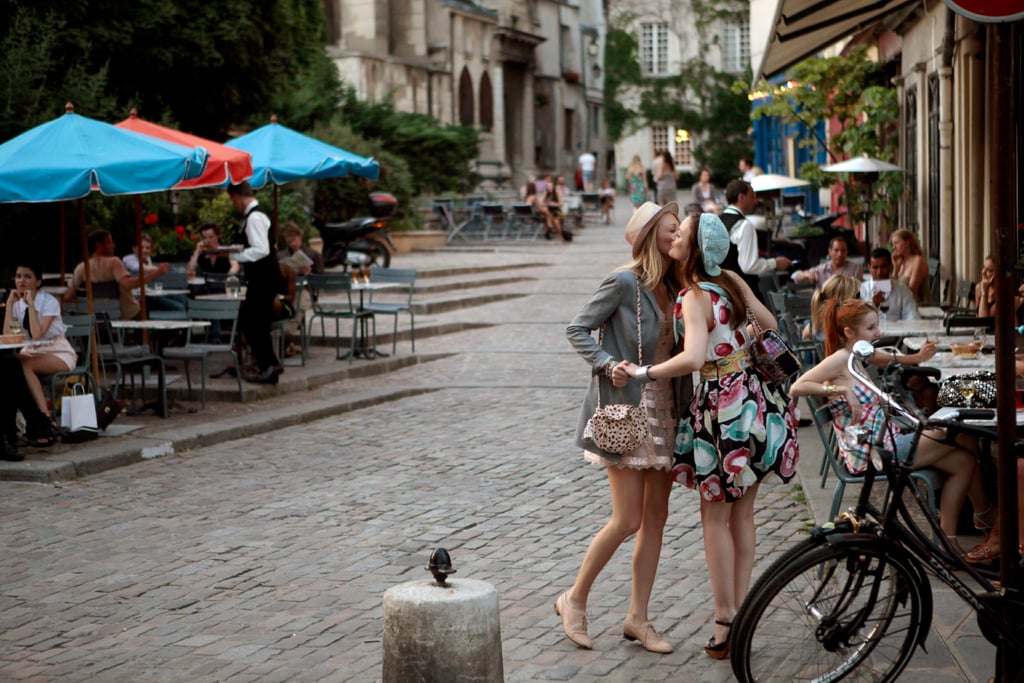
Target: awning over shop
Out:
[803,27]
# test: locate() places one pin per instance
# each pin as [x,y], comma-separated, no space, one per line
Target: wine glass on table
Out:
[883,314]
[15,326]
[967,391]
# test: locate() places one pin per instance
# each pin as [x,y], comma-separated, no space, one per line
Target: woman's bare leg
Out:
[647,550]
[40,365]
[627,489]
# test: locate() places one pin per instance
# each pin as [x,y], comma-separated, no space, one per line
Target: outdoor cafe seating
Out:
[195,349]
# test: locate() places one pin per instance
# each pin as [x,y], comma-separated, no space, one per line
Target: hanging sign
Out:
[989,11]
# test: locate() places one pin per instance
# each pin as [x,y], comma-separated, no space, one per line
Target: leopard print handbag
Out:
[620,428]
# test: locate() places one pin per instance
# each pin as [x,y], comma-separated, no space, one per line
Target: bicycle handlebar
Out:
[863,351]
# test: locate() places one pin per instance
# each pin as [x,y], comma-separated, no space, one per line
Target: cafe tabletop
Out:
[950,362]
[909,328]
[220,297]
[196,281]
[55,290]
[915,342]
[163,292]
[375,286]
[157,324]
[931,312]
[14,346]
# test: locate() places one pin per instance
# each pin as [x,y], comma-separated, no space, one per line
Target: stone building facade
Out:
[526,73]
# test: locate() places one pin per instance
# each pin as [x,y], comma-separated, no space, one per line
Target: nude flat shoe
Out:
[574,622]
[647,636]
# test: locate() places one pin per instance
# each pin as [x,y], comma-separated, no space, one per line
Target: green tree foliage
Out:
[440,154]
[849,90]
[205,65]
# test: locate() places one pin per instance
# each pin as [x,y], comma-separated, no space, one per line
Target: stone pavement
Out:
[257,546]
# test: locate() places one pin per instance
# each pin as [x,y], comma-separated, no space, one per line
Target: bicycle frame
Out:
[894,525]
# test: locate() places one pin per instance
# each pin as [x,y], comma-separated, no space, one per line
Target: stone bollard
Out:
[435,632]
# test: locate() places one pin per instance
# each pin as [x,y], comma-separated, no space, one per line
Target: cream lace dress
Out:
[657,451]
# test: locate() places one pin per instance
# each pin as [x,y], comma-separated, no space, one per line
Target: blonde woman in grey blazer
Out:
[639,481]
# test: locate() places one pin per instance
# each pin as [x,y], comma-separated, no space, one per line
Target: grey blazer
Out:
[614,306]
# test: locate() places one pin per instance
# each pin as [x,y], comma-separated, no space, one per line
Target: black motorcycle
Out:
[361,242]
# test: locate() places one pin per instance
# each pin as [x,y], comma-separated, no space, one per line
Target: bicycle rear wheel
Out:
[852,613]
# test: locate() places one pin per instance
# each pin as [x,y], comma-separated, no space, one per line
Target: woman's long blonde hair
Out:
[838,287]
[636,166]
[651,266]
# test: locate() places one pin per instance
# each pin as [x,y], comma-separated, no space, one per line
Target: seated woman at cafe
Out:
[206,260]
[986,292]
[40,319]
[909,264]
[837,287]
[553,227]
[852,404]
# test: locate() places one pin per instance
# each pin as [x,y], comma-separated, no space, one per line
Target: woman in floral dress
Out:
[739,428]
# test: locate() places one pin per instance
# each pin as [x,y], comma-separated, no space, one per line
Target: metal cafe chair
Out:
[331,295]
[223,312]
[407,278]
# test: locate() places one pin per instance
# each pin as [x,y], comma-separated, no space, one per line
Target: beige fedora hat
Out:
[645,218]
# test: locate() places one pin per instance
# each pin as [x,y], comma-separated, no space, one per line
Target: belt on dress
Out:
[723,366]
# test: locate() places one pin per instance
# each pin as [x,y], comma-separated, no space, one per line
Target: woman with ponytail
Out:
[845,323]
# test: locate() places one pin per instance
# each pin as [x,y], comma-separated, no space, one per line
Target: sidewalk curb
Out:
[99,457]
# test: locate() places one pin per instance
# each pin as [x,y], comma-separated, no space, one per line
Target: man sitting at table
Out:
[142,253]
[292,235]
[883,291]
[104,266]
[836,265]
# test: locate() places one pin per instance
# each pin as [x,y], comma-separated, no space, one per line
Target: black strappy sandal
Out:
[43,435]
[719,650]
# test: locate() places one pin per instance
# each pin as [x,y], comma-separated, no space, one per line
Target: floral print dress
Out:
[739,428]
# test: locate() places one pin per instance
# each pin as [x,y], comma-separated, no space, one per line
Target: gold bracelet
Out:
[831,390]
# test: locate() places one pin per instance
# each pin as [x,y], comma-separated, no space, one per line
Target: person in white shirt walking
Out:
[587,163]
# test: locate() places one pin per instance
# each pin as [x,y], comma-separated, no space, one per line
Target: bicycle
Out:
[853,600]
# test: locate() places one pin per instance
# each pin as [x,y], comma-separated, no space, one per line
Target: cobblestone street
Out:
[265,558]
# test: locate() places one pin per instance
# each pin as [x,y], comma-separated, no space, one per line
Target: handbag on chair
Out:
[620,428]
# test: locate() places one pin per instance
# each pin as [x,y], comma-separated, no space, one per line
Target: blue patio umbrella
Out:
[72,155]
[281,155]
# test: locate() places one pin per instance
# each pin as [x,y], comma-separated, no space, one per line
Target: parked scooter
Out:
[361,242]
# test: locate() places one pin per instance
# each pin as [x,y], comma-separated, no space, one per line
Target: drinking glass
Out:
[156,286]
[979,337]
[967,391]
[15,326]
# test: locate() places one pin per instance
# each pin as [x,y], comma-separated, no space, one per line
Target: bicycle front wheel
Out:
[851,613]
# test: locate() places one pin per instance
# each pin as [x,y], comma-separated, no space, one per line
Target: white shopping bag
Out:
[78,413]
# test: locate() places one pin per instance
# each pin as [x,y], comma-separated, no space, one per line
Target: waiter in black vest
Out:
[743,258]
[263,282]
